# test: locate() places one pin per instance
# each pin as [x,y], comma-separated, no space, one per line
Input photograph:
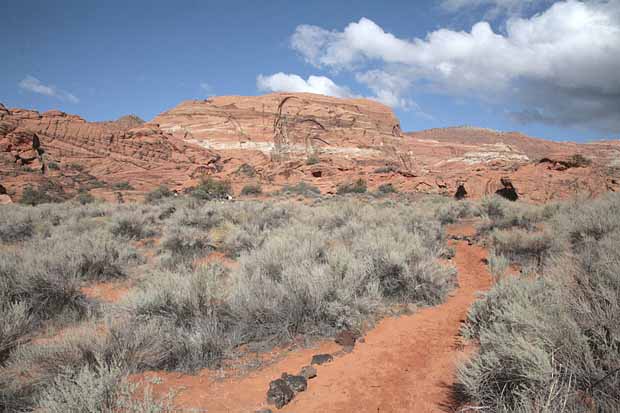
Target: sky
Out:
[546,68]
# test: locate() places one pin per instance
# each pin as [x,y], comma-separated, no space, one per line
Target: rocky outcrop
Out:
[282,124]
[283,139]
[118,151]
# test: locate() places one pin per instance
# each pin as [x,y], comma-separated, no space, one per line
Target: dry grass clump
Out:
[504,214]
[452,211]
[16,226]
[132,225]
[529,249]
[552,342]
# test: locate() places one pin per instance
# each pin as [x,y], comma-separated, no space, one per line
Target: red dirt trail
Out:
[405,364]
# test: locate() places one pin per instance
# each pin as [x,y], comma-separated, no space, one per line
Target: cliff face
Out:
[35,147]
[282,139]
[279,124]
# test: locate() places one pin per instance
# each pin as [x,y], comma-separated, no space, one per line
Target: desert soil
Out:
[405,364]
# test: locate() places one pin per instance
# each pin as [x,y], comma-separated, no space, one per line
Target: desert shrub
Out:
[522,247]
[181,245]
[503,214]
[99,388]
[552,341]
[386,169]
[203,216]
[158,194]
[578,161]
[45,193]
[312,160]
[15,325]
[251,189]
[452,211]
[191,309]
[16,224]
[246,170]
[357,187]
[76,166]
[301,188]
[53,165]
[212,189]
[122,186]
[84,370]
[386,189]
[295,284]
[498,264]
[85,197]
[132,225]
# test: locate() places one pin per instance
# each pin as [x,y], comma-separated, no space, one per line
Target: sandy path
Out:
[406,364]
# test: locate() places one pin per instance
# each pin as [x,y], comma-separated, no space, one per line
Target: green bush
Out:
[251,189]
[76,166]
[47,192]
[578,161]
[53,165]
[122,186]
[386,189]
[357,187]
[212,189]
[158,194]
[301,188]
[85,197]
[386,169]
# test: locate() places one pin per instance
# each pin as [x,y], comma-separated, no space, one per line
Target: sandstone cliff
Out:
[282,139]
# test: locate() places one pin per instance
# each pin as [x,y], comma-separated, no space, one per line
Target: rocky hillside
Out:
[74,154]
[282,139]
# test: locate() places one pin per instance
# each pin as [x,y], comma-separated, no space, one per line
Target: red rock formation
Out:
[282,139]
[355,138]
[109,152]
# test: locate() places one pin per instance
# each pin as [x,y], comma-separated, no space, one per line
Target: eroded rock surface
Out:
[127,150]
[282,139]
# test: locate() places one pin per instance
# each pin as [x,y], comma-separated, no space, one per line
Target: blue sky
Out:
[102,60]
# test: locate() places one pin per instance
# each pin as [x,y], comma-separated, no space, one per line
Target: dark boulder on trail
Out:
[319,359]
[296,383]
[279,393]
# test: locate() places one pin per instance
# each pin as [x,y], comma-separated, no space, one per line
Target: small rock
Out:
[319,359]
[279,393]
[263,411]
[308,372]
[297,383]
[346,338]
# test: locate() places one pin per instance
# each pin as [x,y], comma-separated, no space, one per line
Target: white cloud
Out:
[563,64]
[387,88]
[283,82]
[32,84]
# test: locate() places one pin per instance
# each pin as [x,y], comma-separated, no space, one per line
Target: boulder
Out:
[319,359]
[296,383]
[279,393]
[309,372]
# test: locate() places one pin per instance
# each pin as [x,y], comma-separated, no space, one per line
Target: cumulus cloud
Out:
[32,84]
[283,82]
[562,64]
[387,87]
